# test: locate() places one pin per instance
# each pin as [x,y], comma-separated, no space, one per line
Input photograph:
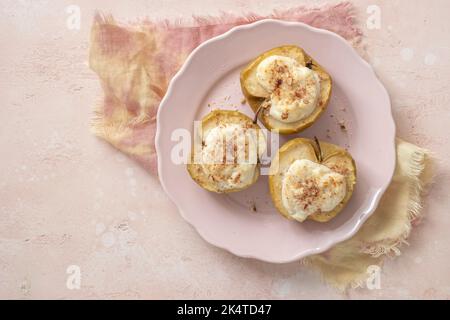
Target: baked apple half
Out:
[286,88]
[311,180]
[226,152]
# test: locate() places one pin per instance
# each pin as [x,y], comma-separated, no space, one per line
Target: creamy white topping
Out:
[293,89]
[309,187]
[230,154]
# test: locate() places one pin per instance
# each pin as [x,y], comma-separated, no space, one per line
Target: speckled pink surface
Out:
[66,198]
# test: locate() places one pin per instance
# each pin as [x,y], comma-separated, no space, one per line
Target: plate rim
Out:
[358,59]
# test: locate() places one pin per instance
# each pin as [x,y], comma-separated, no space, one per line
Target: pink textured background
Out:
[67,198]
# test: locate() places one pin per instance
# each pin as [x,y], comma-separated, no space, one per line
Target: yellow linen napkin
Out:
[356,262]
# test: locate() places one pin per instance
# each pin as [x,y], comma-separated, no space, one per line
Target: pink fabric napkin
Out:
[135,62]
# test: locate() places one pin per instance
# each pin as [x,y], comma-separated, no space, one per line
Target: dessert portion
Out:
[311,180]
[226,152]
[286,89]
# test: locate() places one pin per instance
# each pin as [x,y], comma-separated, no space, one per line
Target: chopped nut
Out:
[300,93]
[279,83]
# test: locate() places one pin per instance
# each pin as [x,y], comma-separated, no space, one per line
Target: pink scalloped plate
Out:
[210,80]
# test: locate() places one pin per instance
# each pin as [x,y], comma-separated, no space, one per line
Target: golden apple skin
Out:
[255,102]
[333,156]
[213,119]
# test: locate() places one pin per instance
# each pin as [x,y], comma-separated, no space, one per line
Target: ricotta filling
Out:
[309,187]
[230,155]
[293,89]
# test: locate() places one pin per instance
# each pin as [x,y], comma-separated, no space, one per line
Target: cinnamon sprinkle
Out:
[278,83]
[310,192]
